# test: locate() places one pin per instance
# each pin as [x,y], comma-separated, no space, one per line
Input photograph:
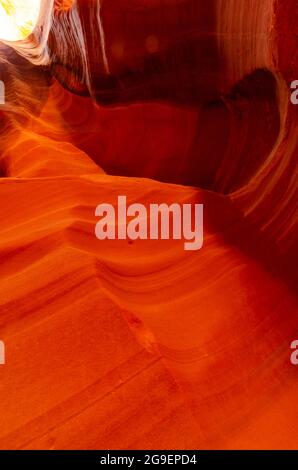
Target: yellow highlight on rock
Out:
[18,18]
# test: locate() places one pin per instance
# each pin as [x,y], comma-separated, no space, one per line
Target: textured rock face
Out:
[145,345]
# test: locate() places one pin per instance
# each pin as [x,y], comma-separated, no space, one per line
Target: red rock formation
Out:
[143,345]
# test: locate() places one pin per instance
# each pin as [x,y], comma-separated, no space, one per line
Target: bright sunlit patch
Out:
[18,18]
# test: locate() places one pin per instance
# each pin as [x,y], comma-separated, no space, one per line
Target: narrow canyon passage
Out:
[144,345]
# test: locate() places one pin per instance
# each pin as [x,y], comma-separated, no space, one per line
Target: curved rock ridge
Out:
[119,344]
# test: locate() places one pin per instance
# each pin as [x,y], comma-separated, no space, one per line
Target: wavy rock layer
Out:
[143,345]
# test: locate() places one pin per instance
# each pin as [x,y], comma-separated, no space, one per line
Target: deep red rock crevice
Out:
[143,345]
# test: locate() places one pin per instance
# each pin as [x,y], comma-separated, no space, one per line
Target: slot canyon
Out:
[143,345]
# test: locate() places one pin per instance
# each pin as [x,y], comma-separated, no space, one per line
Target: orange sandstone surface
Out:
[142,345]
